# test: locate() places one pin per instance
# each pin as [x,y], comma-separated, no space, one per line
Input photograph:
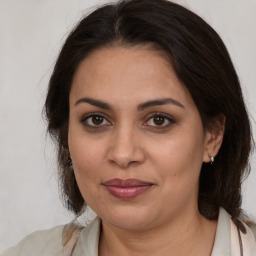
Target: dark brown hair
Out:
[201,62]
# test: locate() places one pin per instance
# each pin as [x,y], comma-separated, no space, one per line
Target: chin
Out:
[129,218]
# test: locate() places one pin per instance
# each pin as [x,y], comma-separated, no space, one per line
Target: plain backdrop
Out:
[31,34]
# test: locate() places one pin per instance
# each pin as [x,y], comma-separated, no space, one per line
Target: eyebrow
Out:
[140,107]
[97,103]
[159,102]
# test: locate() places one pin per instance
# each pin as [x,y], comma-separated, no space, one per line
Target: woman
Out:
[153,134]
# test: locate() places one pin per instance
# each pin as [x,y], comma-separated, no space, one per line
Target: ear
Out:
[214,137]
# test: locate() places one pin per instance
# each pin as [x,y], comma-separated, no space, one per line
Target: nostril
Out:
[125,163]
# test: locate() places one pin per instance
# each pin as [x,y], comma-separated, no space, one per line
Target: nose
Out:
[126,149]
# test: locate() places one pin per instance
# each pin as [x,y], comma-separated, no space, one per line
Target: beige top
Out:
[49,242]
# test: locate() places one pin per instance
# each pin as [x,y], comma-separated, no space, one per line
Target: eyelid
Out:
[166,116]
[91,114]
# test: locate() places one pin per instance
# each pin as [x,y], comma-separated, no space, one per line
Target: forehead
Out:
[117,73]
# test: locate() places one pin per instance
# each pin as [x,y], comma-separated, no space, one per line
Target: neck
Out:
[193,235]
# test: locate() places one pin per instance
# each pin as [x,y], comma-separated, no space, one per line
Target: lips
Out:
[126,189]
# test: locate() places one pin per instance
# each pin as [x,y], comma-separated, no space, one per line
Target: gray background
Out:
[31,34]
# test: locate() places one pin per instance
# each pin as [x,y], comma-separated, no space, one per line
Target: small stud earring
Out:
[211,158]
[70,164]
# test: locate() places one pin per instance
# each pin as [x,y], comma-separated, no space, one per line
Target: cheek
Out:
[179,159]
[87,155]
[88,168]
[177,164]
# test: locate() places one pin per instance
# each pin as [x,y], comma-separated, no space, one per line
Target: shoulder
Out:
[43,242]
[252,227]
[232,236]
[248,239]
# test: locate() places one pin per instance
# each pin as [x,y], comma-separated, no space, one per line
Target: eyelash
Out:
[91,115]
[167,118]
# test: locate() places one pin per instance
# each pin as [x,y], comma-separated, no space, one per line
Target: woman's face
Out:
[135,137]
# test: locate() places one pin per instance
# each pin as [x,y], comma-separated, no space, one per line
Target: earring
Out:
[211,158]
[70,164]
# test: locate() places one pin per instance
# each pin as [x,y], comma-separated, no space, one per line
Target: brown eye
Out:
[160,121]
[95,120]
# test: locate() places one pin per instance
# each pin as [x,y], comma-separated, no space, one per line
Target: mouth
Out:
[126,189]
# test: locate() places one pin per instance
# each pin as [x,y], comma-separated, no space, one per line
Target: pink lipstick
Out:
[126,189]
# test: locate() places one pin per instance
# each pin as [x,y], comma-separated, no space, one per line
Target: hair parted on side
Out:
[201,62]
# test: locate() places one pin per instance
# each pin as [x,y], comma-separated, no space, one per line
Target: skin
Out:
[130,143]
